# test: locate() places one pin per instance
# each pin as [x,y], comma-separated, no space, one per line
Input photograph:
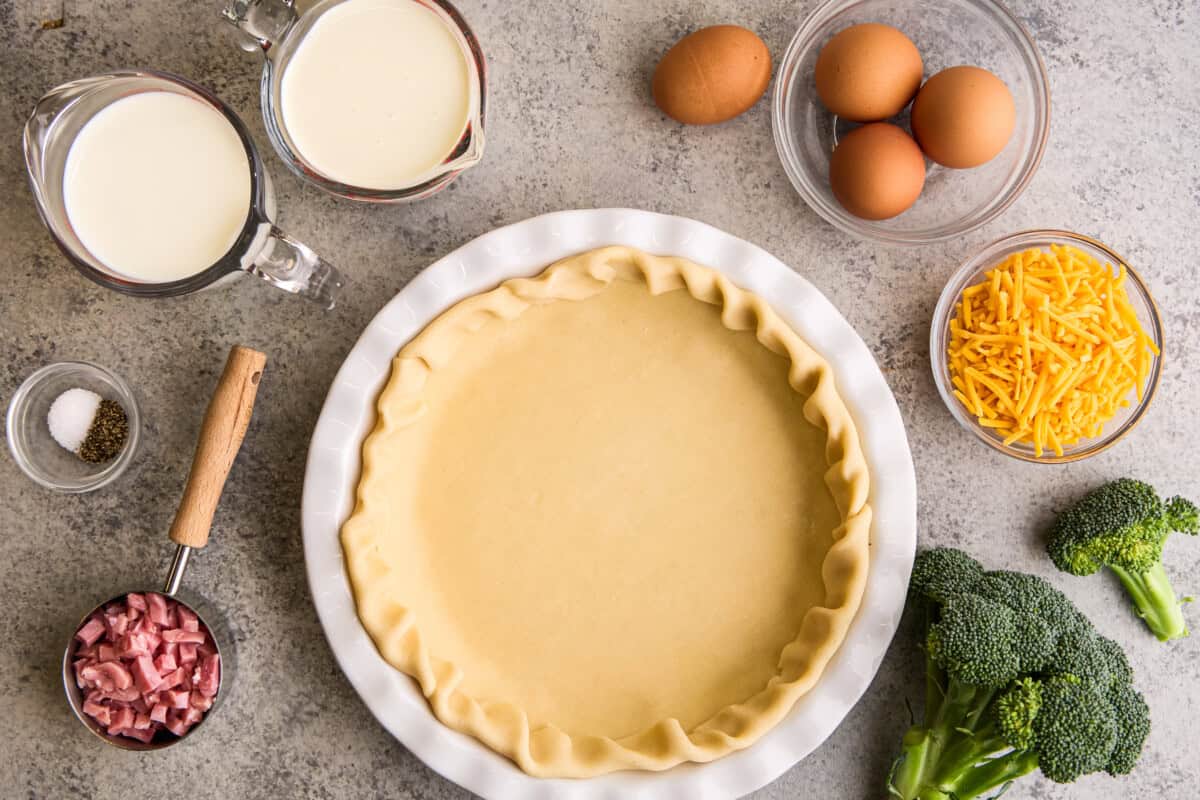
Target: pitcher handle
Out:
[294,267]
[264,21]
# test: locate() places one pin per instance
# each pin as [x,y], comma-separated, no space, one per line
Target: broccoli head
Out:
[941,572]
[974,640]
[1133,725]
[1075,730]
[1017,680]
[1123,525]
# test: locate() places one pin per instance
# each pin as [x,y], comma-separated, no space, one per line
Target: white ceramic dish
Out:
[524,249]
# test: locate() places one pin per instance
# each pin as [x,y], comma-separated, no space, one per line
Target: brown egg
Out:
[712,75]
[868,72]
[877,171]
[963,117]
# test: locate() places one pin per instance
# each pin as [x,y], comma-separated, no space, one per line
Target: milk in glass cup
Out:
[151,186]
[375,100]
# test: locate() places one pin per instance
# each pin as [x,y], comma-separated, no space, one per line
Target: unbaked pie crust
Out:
[611,517]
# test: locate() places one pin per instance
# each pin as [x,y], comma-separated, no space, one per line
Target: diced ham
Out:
[146,735]
[121,718]
[145,676]
[188,620]
[210,675]
[146,664]
[117,624]
[132,645]
[108,673]
[123,696]
[156,608]
[93,704]
[176,725]
[182,636]
[91,632]
[173,679]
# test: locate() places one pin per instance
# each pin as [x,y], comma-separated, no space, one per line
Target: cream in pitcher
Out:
[151,186]
[374,100]
[157,186]
[377,94]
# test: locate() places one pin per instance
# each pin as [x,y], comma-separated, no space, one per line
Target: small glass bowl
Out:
[972,272]
[947,33]
[37,453]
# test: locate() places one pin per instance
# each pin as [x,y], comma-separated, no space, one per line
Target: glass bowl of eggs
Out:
[910,121]
[1047,346]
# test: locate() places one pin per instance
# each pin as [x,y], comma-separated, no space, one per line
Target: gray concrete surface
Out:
[570,126]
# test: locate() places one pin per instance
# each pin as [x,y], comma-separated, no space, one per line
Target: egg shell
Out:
[868,72]
[712,75]
[877,171]
[963,117]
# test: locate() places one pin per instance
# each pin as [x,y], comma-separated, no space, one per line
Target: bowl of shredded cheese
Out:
[1047,346]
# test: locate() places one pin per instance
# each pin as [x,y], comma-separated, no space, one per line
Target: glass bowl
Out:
[972,272]
[37,453]
[947,33]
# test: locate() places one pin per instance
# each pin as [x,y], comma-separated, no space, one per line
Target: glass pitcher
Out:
[274,28]
[260,248]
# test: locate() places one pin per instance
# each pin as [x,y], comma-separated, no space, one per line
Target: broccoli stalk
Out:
[1154,598]
[949,757]
[1016,680]
[1124,525]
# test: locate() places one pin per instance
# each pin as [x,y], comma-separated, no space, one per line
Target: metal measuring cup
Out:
[221,436]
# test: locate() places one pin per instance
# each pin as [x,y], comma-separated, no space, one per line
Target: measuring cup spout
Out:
[264,22]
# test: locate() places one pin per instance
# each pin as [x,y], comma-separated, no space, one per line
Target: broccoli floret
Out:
[1032,595]
[1123,525]
[1019,681]
[1015,711]
[1133,725]
[944,571]
[973,642]
[1075,731]
[1095,658]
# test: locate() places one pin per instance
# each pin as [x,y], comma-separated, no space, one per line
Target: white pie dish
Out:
[524,249]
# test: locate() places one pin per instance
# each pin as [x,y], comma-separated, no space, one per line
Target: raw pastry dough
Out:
[611,517]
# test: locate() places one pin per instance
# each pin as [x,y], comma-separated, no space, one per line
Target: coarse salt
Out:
[71,416]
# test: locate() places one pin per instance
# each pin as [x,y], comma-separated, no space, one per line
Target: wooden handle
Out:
[221,436]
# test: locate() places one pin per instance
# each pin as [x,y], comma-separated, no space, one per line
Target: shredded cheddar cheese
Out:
[1047,348]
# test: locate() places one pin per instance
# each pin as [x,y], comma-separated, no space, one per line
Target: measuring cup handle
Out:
[221,436]
[291,265]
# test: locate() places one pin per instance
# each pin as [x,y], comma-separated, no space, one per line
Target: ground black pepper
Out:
[106,437]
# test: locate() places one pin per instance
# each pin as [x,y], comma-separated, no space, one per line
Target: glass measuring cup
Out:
[260,248]
[274,27]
